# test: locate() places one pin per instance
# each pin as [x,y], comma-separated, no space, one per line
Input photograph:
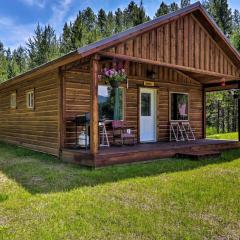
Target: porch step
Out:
[198,154]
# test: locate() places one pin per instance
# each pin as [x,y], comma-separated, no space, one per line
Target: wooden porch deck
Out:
[144,152]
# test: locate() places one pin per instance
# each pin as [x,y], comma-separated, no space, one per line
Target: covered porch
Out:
[167,80]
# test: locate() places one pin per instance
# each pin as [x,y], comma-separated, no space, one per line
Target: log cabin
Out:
[176,57]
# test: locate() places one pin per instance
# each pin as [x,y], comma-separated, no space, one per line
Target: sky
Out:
[18,18]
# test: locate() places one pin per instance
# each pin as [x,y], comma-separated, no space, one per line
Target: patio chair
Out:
[122,134]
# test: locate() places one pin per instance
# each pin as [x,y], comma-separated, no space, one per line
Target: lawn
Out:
[226,136]
[42,198]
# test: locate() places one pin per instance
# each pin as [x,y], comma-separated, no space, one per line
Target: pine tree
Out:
[79,32]
[142,17]
[89,19]
[19,57]
[221,13]
[102,21]
[3,64]
[118,20]
[110,25]
[43,46]
[185,3]
[65,39]
[173,7]
[236,18]
[162,10]
[235,38]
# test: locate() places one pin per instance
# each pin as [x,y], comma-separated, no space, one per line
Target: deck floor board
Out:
[145,151]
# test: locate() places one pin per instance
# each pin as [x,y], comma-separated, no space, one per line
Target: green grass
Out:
[226,136]
[42,198]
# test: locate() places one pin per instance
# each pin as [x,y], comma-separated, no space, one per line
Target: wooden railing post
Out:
[94,107]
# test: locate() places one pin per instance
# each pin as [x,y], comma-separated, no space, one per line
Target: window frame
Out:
[11,100]
[123,101]
[170,106]
[28,101]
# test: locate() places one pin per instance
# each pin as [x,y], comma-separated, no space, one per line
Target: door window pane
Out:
[179,106]
[145,104]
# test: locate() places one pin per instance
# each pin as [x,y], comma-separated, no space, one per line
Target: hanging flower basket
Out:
[113,76]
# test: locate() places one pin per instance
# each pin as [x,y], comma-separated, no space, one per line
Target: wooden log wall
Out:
[77,91]
[77,101]
[37,129]
[182,42]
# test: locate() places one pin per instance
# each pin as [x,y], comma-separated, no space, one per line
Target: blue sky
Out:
[18,18]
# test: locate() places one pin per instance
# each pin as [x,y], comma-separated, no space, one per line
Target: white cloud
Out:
[14,34]
[60,11]
[38,3]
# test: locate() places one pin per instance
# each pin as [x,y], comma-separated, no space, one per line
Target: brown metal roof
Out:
[111,41]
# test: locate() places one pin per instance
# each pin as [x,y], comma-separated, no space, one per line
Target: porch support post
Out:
[203,113]
[238,113]
[94,107]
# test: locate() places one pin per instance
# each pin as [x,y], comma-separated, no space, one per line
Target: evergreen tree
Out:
[118,20]
[79,32]
[221,13]
[142,17]
[43,46]
[19,57]
[162,10]
[173,7]
[102,21]
[235,38]
[185,3]
[89,19]
[65,39]
[236,18]
[3,64]
[110,25]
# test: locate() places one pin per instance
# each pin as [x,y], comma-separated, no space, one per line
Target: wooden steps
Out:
[198,155]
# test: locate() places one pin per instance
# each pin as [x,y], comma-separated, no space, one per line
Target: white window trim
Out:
[13,103]
[123,102]
[170,106]
[28,100]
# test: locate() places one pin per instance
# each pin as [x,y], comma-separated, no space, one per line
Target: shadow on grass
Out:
[41,173]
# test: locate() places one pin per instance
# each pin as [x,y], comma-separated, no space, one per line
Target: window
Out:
[145,104]
[179,106]
[13,100]
[30,99]
[110,103]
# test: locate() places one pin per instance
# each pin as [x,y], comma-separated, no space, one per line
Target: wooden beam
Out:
[204,114]
[94,108]
[185,75]
[163,64]
[217,86]
[239,115]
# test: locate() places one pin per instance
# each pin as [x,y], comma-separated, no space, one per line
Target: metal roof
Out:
[111,41]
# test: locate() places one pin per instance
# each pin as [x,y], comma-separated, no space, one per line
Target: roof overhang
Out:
[101,45]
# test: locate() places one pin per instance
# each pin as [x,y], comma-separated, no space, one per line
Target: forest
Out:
[88,26]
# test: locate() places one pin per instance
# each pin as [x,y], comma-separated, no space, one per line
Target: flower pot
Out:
[114,84]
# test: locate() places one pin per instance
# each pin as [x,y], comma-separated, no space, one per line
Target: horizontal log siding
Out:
[37,129]
[77,101]
[77,91]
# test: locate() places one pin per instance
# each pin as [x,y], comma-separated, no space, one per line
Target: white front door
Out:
[147,115]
